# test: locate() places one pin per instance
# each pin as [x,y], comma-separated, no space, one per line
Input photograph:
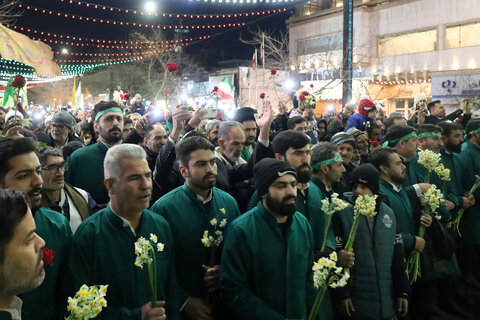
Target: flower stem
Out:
[152,275]
[353,232]
[317,303]
[325,231]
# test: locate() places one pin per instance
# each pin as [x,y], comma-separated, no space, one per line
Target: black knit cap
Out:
[366,174]
[268,170]
[343,137]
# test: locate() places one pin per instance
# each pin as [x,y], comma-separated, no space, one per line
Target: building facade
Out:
[401,48]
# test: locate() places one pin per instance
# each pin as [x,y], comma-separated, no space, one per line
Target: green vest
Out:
[189,218]
[372,287]
[46,301]
[84,170]
[103,253]
[267,267]
[448,160]
[469,161]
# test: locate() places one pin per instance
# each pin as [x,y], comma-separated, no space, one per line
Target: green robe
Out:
[450,162]
[103,253]
[189,218]
[84,170]
[406,213]
[469,161]
[46,302]
[266,271]
[417,173]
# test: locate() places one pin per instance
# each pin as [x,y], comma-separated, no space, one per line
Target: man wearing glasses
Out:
[74,203]
[61,133]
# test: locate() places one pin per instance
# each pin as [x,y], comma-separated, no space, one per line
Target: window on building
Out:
[329,43]
[465,35]
[413,42]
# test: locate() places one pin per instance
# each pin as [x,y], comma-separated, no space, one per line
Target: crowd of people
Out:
[76,194]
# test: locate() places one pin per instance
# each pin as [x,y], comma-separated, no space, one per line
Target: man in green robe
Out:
[246,116]
[469,161]
[196,211]
[84,167]
[378,287]
[268,252]
[21,267]
[21,171]
[107,239]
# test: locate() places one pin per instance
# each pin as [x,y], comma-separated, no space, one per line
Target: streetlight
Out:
[64,51]
[150,6]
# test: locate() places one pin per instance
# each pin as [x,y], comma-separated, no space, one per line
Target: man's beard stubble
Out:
[281,208]
[303,173]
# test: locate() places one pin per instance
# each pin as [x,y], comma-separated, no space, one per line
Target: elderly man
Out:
[61,133]
[246,116]
[108,238]
[268,252]
[20,170]
[21,266]
[211,131]
[74,203]
[190,210]
[85,166]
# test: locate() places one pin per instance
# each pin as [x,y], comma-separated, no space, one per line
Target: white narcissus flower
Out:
[326,273]
[223,223]
[144,250]
[433,198]
[365,205]
[87,303]
[429,159]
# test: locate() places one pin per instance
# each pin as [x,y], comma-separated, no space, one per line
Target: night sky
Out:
[223,40]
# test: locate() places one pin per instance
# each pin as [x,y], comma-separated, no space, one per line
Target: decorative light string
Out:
[111,54]
[173,15]
[126,23]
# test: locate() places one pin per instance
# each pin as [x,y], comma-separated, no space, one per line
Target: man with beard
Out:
[107,239]
[85,166]
[378,287]
[191,210]
[21,267]
[452,138]
[246,116]
[268,252]
[346,146]
[211,131]
[74,203]
[20,170]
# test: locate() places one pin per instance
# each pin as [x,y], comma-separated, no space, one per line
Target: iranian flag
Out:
[226,89]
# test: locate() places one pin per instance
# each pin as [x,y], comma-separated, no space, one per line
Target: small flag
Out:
[262,50]
[226,89]
[254,60]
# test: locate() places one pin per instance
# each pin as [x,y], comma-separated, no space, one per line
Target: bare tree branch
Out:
[9,11]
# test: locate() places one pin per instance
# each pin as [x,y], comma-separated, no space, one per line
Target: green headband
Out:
[406,137]
[112,109]
[467,133]
[429,134]
[327,162]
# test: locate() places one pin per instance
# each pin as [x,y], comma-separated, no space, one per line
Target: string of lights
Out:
[108,54]
[93,41]
[126,23]
[173,15]
[12,67]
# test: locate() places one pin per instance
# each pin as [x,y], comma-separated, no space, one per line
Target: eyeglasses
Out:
[54,168]
[59,126]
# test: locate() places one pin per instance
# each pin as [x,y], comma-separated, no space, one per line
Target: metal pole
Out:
[347,51]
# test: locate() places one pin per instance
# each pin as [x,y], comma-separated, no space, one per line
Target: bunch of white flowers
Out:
[215,239]
[429,159]
[327,274]
[442,172]
[365,205]
[432,199]
[145,250]
[334,204]
[87,303]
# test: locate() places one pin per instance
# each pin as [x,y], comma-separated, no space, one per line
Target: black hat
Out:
[368,175]
[64,118]
[268,170]
[343,137]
